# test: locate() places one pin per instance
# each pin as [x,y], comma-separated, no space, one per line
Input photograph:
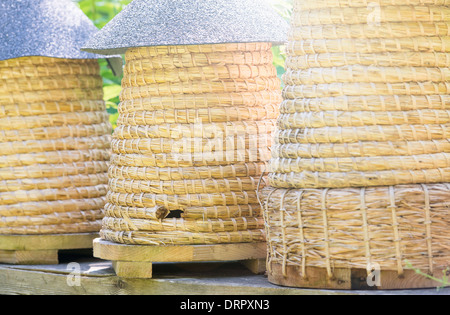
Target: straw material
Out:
[187,173]
[366,103]
[198,213]
[355,15]
[192,116]
[146,77]
[418,30]
[29,209]
[208,130]
[192,142]
[196,159]
[50,83]
[362,149]
[370,45]
[50,133]
[19,147]
[196,101]
[56,95]
[182,237]
[200,87]
[319,4]
[180,60]
[342,93]
[361,155]
[40,61]
[55,139]
[49,107]
[149,200]
[355,228]
[390,59]
[190,145]
[170,52]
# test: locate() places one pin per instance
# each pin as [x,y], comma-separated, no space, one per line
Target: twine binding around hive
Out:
[192,140]
[359,166]
[356,227]
[55,139]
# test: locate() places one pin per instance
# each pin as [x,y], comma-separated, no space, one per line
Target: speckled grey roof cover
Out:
[49,28]
[189,22]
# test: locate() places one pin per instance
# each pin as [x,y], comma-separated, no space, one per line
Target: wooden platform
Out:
[351,279]
[136,261]
[40,249]
[97,277]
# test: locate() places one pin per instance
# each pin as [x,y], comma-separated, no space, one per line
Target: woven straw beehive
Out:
[193,135]
[199,102]
[55,140]
[360,164]
[55,135]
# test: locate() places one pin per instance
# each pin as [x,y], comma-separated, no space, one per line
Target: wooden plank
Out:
[47,242]
[134,261]
[98,278]
[133,270]
[349,279]
[29,257]
[316,278]
[41,249]
[183,253]
[390,280]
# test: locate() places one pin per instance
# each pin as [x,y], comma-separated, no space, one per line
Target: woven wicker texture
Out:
[55,139]
[193,136]
[355,228]
[360,161]
[347,85]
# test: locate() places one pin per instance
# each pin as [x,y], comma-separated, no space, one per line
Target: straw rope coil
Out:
[193,137]
[360,161]
[340,96]
[55,139]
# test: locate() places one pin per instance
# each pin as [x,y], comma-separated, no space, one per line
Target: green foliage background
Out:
[102,11]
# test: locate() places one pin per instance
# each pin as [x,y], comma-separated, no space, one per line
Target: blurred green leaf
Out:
[111,91]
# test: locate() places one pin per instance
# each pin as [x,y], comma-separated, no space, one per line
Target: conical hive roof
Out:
[46,28]
[189,22]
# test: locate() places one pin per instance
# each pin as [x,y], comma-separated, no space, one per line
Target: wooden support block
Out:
[315,277]
[390,280]
[40,249]
[256,266]
[133,261]
[133,270]
[349,279]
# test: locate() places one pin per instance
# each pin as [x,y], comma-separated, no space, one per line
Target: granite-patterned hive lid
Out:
[47,28]
[189,22]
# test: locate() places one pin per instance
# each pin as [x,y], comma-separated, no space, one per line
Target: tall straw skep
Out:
[55,140]
[360,163]
[191,144]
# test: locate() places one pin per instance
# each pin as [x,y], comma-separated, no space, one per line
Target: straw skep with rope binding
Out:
[193,137]
[55,138]
[359,167]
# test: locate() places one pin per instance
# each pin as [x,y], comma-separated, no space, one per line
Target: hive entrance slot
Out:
[177,214]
